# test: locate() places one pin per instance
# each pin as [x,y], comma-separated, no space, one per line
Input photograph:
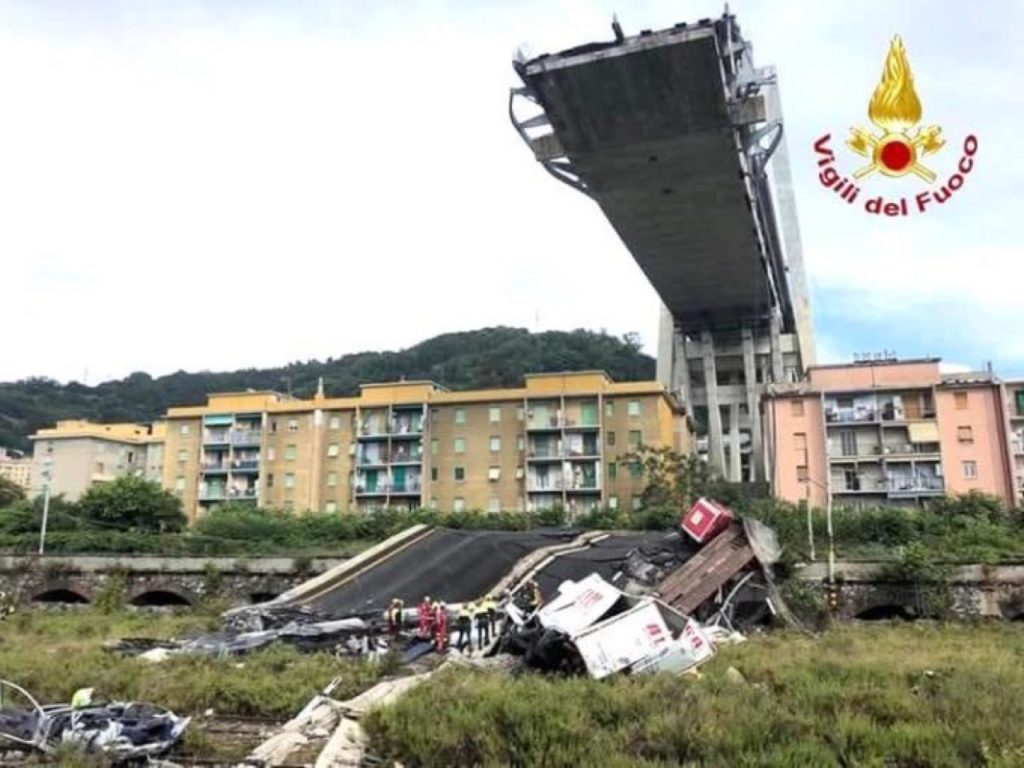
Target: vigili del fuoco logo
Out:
[900,147]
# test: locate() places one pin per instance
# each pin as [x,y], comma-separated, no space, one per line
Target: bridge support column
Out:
[775,330]
[753,404]
[668,357]
[735,459]
[716,449]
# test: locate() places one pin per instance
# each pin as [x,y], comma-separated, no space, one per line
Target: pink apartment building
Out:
[1014,399]
[894,432]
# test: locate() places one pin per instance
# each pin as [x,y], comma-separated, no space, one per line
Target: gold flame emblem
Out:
[895,109]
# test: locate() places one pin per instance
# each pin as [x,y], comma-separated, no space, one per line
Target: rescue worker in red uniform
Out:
[440,627]
[426,618]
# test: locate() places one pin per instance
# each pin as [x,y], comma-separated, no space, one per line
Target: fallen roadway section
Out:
[707,575]
[452,565]
[597,603]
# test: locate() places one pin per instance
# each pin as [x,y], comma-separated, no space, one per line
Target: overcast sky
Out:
[214,185]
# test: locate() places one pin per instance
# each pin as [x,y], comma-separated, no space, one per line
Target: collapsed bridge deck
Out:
[668,132]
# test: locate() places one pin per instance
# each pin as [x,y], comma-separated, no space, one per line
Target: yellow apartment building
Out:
[75,454]
[558,439]
[16,468]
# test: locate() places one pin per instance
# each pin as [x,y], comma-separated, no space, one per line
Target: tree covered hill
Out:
[490,357]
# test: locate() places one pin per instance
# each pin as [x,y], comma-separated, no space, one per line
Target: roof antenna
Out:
[617,28]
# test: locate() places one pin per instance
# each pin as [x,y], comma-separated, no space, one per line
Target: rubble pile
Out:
[646,587]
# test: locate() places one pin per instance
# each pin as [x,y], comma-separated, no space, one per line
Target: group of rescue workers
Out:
[481,615]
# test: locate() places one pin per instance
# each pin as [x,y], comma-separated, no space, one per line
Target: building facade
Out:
[74,455]
[16,468]
[887,432]
[1014,399]
[558,440]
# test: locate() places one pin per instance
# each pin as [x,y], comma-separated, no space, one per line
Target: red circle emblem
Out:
[896,155]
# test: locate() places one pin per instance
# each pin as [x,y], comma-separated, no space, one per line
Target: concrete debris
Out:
[156,655]
[345,636]
[118,731]
[734,676]
[316,720]
[325,717]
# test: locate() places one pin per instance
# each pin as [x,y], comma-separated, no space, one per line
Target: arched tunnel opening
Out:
[66,596]
[159,598]
[262,597]
[886,613]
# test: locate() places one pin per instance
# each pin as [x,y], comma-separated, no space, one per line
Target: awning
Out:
[218,420]
[924,432]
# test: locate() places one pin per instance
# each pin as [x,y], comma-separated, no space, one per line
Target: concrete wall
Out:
[797,439]
[152,579]
[979,409]
[182,447]
[867,376]
[969,591]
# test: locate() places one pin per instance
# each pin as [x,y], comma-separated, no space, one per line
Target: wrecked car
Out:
[119,731]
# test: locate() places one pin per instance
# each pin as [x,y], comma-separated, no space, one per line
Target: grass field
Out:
[52,655]
[859,695]
[867,695]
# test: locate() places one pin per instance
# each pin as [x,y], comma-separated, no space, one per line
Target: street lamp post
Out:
[827,487]
[46,505]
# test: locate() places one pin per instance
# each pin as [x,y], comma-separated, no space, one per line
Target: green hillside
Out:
[490,357]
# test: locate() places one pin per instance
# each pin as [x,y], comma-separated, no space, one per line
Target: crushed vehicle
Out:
[119,731]
[593,627]
[676,598]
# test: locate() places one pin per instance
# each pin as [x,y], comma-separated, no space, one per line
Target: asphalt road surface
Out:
[448,565]
[607,557]
[456,566]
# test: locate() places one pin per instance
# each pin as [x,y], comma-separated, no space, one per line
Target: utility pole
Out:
[47,464]
[827,487]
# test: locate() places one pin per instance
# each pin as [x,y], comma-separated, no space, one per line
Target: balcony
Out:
[214,468]
[585,487]
[851,416]
[246,436]
[545,423]
[245,466]
[859,484]
[544,453]
[371,459]
[406,489]
[216,437]
[213,494]
[916,486]
[911,451]
[406,457]
[545,485]
[406,428]
[873,455]
[579,424]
